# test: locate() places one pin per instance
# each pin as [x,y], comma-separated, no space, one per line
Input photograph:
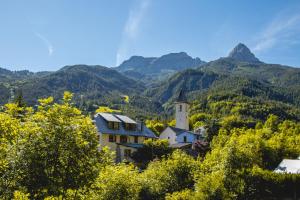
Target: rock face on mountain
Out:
[242,53]
[136,63]
[241,73]
[165,64]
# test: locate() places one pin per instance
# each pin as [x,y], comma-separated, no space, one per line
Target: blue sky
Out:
[47,35]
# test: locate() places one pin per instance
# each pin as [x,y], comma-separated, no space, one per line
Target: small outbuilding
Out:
[288,166]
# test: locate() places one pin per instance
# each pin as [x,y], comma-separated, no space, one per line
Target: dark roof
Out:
[126,119]
[178,131]
[180,145]
[181,97]
[109,117]
[136,146]
[102,126]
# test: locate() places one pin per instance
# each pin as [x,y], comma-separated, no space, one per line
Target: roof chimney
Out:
[140,124]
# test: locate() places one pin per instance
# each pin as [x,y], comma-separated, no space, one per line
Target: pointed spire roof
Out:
[181,97]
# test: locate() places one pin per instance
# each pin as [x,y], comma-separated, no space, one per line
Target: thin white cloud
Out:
[46,42]
[283,30]
[131,29]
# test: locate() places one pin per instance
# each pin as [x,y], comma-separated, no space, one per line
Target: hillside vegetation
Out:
[52,153]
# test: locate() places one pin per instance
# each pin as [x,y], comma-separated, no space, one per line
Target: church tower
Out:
[182,111]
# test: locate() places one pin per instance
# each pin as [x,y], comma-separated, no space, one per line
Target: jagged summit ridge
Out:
[242,53]
[151,65]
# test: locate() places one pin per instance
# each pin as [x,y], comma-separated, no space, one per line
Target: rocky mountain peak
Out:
[242,53]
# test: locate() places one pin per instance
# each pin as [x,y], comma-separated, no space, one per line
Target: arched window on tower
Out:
[180,108]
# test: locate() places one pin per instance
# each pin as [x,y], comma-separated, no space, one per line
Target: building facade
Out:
[121,134]
[182,112]
[175,135]
[180,134]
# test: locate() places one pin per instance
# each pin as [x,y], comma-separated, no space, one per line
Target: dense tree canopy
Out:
[52,152]
[47,151]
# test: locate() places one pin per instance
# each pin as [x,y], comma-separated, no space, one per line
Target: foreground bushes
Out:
[52,153]
[116,182]
[239,163]
[48,151]
[172,174]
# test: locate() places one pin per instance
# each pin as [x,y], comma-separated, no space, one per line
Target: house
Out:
[176,135]
[121,134]
[289,166]
[180,134]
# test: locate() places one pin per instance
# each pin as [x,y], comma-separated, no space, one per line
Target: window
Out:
[184,139]
[180,108]
[113,125]
[116,126]
[198,137]
[130,127]
[123,139]
[127,152]
[110,125]
[112,138]
[136,139]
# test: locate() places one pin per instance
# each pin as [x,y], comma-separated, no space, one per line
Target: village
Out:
[124,136]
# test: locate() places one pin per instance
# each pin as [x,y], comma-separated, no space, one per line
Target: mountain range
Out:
[153,68]
[152,83]
[235,78]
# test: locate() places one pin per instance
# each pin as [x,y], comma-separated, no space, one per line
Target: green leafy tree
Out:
[19,99]
[20,196]
[53,150]
[152,149]
[118,182]
[272,122]
[156,126]
[186,194]
[172,174]
[228,171]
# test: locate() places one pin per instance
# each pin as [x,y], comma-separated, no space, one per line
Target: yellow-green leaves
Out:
[172,174]
[51,150]
[67,97]
[156,126]
[46,101]
[224,172]
[106,109]
[118,182]
[18,195]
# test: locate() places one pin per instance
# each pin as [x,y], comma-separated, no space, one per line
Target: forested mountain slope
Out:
[239,74]
[252,79]
[90,82]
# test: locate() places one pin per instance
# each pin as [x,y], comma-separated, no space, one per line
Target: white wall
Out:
[190,137]
[182,116]
[168,134]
